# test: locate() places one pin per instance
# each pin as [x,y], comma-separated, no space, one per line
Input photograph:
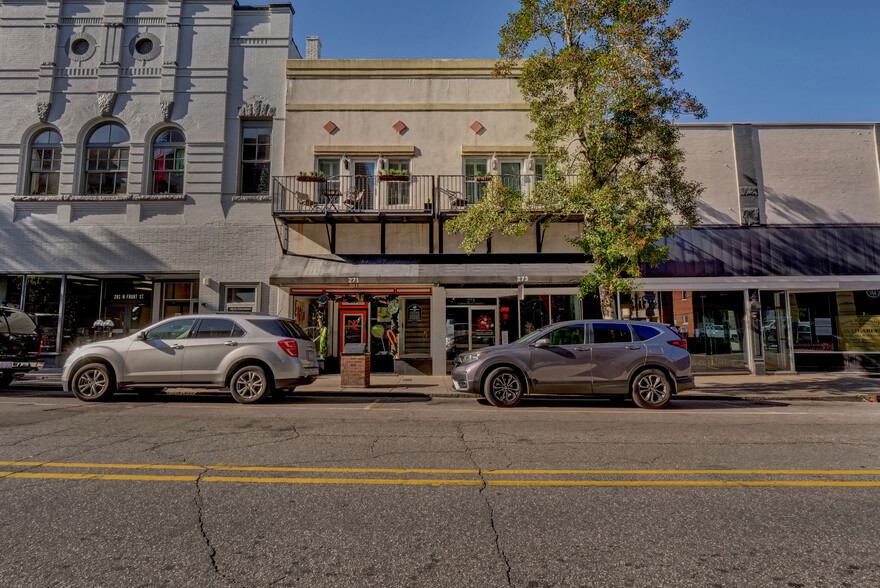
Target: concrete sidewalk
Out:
[844,386]
[835,386]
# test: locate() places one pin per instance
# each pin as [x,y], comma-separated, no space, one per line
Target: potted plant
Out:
[483,179]
[311,176]
[393,175]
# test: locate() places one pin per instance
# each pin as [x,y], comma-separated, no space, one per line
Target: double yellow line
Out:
[826,478]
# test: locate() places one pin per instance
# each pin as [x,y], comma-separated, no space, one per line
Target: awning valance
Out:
[294,270]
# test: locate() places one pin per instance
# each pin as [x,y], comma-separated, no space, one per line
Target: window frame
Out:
[173,145]
[227,288]
[124,147]
[242,162]
[55,161]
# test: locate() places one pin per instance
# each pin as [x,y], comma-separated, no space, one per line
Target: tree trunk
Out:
[608,303]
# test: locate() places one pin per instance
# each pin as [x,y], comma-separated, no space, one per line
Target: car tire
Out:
[503,387]
[251,384]
[93,382]
[5,380]
[651,389]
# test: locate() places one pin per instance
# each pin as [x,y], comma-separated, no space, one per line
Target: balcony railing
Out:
[413,195]
[337,195]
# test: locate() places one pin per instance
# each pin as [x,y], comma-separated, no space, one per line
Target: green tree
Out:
[598,76]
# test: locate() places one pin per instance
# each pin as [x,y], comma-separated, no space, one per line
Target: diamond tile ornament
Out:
[330,127]
[399,127]
[477,127]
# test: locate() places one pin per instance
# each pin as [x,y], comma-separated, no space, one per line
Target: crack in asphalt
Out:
[483,487]
[212,552]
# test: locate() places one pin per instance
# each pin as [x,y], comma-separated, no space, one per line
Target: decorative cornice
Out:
[500,150]
[256,108]
[365,150]
[410,107]
[99,198]
[394,68]
[251,198]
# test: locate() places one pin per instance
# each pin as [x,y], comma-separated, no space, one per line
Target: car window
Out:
[611,333]
[176,329]
[215,328]
[20,324]
[644,332]
[570,335]
[280,328]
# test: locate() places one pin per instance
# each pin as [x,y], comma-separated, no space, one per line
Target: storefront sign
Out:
[235,308]
[414,313]
[859,333]
[353,328]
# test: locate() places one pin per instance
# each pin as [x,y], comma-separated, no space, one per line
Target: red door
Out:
[353,328]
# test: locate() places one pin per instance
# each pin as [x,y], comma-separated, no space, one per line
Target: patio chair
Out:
[305,203]
[352,203]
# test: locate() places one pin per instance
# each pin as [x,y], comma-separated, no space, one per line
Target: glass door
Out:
[483,326]
[364,181]
[775,331]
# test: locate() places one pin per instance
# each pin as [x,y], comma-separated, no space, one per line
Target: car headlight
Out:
[470,357]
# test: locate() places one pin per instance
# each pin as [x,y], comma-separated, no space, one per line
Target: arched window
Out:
[169,149]
[45,163]
[107,160]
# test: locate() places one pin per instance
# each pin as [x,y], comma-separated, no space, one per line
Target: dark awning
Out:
[295,270]
[830,250]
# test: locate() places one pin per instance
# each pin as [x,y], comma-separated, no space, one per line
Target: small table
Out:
[331,198]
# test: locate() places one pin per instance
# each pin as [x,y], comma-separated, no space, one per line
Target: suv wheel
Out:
[651,389]
[250,384]
[504,387]
[93,382]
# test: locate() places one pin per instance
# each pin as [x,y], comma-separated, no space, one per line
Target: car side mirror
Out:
[141,336]
[542,343]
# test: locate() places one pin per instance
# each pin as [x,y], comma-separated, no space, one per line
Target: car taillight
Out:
[290,347]
[679,343]
[40,352]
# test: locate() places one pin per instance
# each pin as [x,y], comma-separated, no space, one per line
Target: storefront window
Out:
[416,337]
[82,307]
[180,298]
[385,333]
[534,313]
[43,294]
[836,321]
[10,291]
[127,306]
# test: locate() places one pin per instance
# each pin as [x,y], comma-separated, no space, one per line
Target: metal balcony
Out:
[353,198]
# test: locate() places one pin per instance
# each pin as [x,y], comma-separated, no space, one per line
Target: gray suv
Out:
[253,355]
[648,361]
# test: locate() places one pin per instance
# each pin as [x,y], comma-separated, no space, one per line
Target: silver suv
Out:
[648,361]
[253,355]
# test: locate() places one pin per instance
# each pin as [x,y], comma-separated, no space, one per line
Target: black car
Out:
[20,345]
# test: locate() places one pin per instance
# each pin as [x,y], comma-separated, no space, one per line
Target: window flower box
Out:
[313,176]
[483,179]
[393,175]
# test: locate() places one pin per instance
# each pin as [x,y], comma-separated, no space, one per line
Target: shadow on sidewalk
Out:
[806,386]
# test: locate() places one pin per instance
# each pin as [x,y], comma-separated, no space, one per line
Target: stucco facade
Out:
[179,82]
[359,241]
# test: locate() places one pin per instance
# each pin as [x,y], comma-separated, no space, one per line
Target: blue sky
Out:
[747,60]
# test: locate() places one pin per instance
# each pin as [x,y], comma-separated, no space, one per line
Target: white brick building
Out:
[135,157]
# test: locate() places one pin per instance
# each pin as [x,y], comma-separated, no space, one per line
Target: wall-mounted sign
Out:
[414,313]
[237,308]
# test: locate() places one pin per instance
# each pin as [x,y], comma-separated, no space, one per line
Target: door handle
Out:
[177,346]
[581,348]
[633,347]
[231,343]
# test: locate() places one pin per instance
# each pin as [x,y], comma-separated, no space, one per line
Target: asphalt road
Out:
[195,490]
